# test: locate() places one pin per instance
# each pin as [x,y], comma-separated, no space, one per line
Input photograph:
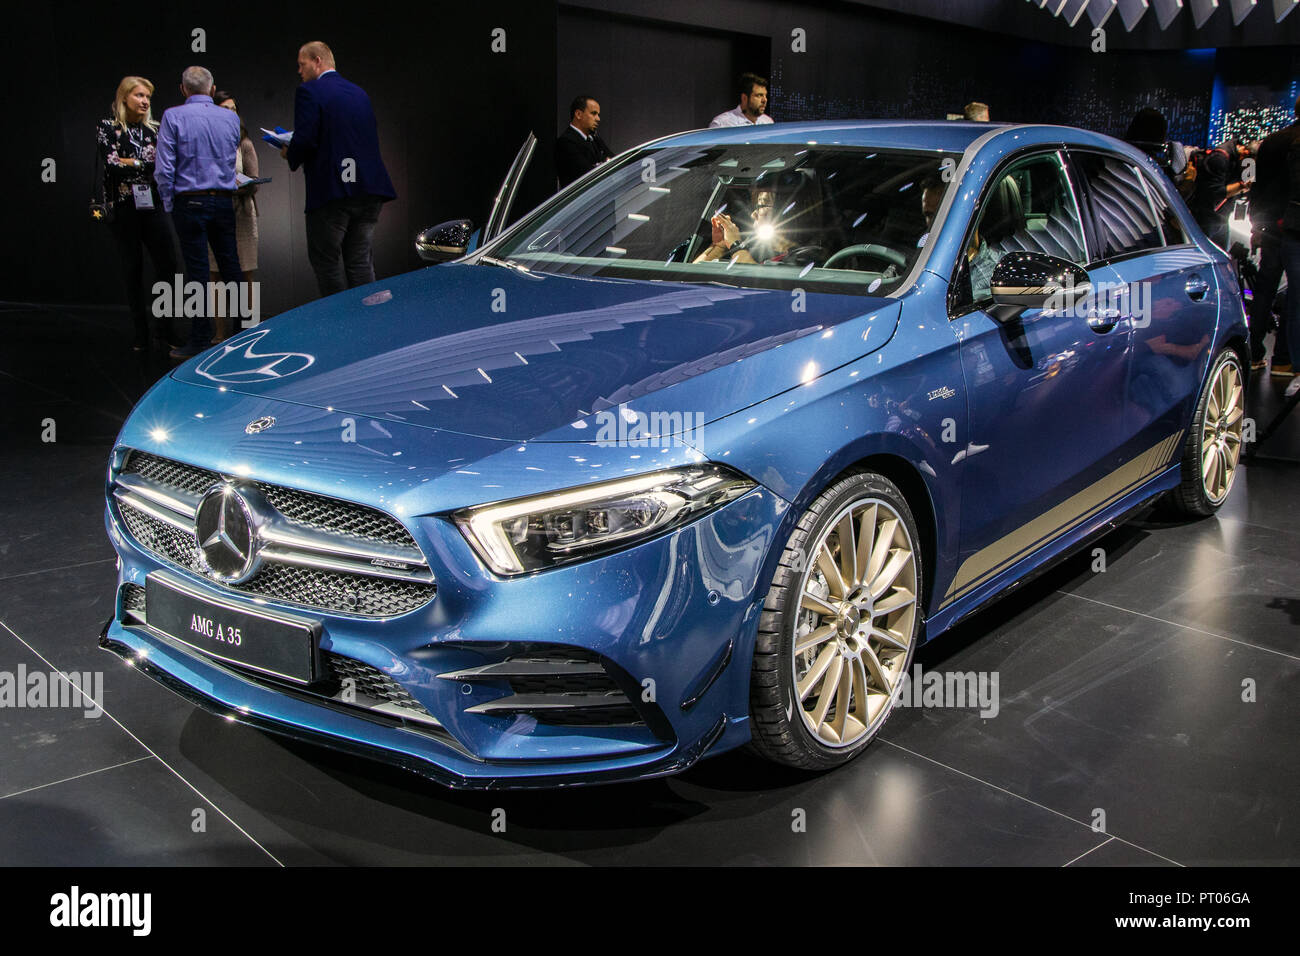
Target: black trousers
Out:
[136,231]
[1263,296]
[338,242]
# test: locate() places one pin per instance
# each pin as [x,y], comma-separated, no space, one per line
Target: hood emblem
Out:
[236,363]
[226,531]
[259,424]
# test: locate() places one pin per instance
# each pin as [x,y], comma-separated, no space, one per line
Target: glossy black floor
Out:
[1121,693]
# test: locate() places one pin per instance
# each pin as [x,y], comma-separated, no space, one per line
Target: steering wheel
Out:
[802,255]
[870,250]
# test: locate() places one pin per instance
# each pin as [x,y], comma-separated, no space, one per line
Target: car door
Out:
[1164,286]
[499,217]
[1045,388]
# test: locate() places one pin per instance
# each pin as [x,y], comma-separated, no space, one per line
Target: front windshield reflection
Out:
[832,219]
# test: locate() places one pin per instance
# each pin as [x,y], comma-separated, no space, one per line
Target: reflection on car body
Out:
[843,443]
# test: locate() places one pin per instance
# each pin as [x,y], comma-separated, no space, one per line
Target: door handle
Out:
[1102,320]
[1196,288]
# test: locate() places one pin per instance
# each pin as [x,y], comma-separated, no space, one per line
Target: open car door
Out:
[456,237]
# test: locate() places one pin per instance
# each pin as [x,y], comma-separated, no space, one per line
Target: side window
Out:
[1125,220]
[1169,224]
[1030,208]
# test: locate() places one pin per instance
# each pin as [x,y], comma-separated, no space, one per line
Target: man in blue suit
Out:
[336,142]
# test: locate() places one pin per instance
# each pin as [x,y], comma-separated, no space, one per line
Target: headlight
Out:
[543,531]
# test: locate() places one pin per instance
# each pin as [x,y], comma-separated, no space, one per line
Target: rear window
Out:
[1125,221]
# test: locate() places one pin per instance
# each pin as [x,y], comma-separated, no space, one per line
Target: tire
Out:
[858,640]
[1212,451]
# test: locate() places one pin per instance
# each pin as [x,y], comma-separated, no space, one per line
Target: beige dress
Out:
[245,211]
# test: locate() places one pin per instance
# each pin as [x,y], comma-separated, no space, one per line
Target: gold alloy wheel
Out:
[854,631]
[1221,432]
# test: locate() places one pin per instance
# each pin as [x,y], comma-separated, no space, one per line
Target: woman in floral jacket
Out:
[129,200]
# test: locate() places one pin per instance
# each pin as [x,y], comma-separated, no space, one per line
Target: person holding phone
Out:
[126,197]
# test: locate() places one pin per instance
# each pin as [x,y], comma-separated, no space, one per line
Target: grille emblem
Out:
[226,533]
[259,424]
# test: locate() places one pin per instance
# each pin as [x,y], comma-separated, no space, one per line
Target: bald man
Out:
[336,142]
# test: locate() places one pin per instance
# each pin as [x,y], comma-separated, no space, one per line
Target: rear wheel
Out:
[1212,450]
[839,626]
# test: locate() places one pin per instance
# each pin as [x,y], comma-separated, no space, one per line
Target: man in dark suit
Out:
[578,148]
[336,142]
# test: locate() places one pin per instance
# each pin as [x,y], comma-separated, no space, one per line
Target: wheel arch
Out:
[896,465]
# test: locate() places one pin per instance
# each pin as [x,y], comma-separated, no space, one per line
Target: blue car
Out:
[692,456]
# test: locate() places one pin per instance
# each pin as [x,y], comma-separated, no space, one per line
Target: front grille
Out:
[335,591]
[133,598]
[342,576]
[338,517]
[370,682]
[163,539]
[170,474]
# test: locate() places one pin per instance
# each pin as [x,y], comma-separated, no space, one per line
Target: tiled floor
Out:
[1121,695]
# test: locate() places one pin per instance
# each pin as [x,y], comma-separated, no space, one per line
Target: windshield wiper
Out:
[494,261]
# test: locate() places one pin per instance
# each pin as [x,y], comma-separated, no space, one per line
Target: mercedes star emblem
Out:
[225,530]
[259,425]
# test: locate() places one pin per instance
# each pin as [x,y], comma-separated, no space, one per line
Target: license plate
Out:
[262,640]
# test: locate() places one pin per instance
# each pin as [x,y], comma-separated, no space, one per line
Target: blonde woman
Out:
[245,217]
[128,199]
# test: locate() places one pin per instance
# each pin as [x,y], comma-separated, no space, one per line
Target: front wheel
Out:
[839,626]
[1213,446]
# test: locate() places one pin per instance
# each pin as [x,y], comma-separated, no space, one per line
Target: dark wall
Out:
[651,78]
[451,113]
[860,61]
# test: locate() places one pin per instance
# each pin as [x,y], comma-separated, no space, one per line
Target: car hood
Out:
[496,353]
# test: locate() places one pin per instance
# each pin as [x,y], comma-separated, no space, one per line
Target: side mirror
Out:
[445,241]
[1035,280]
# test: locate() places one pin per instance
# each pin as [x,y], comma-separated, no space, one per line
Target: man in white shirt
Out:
[753,102]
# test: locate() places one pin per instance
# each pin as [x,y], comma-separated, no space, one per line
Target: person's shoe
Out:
[184,352]
[1282,370]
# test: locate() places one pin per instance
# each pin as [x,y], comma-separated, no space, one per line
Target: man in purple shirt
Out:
[195,173]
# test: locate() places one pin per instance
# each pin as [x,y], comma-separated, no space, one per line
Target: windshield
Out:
[832,219]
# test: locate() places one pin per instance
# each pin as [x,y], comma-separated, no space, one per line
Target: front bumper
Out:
[673,618]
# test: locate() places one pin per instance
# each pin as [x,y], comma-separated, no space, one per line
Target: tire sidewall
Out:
[1227,357]
[866,485]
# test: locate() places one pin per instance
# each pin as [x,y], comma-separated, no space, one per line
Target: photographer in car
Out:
[771,238]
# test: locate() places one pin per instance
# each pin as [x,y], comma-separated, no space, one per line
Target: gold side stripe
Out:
[1001,554]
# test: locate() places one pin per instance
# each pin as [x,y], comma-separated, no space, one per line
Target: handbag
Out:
[100,212]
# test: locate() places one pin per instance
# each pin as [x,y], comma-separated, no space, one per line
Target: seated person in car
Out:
[765,244]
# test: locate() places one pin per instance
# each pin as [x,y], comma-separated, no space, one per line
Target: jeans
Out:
[1291,313]
[135,231]
[341,230]
[202,221]
[1263,296]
